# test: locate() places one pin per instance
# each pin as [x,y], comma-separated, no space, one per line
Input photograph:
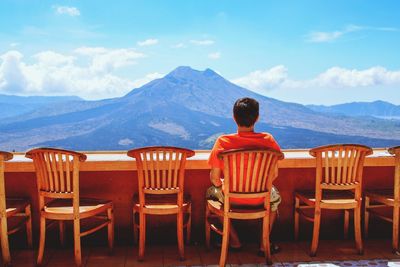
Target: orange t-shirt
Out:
[237,141]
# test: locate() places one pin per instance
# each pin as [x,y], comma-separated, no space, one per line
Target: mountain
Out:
[187,108]
[379,109]
[12,106]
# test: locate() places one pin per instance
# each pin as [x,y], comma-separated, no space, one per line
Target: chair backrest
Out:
[248,173]
[395,151]
[57,172]
[4,156]
[161,169]
[340,167]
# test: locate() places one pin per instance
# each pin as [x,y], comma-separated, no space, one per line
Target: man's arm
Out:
[215,177]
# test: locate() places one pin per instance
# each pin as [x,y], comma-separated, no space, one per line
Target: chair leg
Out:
[315,238]
[77,242]
[189,225]
[28,225]
[395,232]
[179,231]
[296,218]
[266,243]
[346,224]
[61,227]
[5,249]
[225,241]
[135,228]
[207,227]
[110,229]
[366,217]
[357,230]
[142,235]
[42,240]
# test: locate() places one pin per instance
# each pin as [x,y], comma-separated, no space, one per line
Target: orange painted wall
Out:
[120,186]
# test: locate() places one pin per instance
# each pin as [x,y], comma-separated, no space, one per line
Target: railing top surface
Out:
[119,161]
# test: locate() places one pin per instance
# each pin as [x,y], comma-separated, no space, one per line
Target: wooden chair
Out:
[12,207]
[57,173]
[338,186]
[161,172]
[377,199]
[248,174]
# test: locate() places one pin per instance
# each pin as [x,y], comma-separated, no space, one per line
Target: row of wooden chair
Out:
[161,173]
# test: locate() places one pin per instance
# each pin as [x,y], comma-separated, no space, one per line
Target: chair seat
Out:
[331,199]
[16,205]
[217,208]
[62,209]
[162,203]
[385,196]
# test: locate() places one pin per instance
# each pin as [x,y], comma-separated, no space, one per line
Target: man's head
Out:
[245,111]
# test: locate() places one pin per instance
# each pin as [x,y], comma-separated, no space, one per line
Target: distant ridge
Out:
[380,109]
[188,108]
[12,105]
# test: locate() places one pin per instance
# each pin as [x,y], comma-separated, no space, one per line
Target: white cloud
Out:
[67,10]
[148,42]
[89,72]
[215,55]
[50,58]
[202,42]
[322,37]
[262,81]
[106,60]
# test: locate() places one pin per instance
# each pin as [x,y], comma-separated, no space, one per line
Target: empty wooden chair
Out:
[248,174]
[161,173]
[384,198]
[12,207]
[57,173]
[338,184]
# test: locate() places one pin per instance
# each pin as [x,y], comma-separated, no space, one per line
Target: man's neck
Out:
[242,129]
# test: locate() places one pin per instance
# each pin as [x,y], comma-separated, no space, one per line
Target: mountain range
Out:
[188,108]
[379,109]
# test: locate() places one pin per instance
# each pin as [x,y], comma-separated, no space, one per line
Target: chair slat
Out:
[233,158]
[53,165]
[248,171]
[266,172]
[49,171]
[157,170]
[152,176]
[261,172]
[164,170]
[325,156]
[355,167]
[241,172]
[61,172]
[176,169]
[255,172]
[339,166]
[170,169]
[68,173]
[345,165]
[332,166]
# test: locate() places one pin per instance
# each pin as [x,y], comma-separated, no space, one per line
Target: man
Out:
[245,114]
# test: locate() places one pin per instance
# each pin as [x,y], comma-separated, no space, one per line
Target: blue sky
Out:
[321,52]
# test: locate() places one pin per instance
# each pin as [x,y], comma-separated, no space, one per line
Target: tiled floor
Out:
[336,252]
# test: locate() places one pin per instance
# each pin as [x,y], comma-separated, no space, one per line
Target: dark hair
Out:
[245,111]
